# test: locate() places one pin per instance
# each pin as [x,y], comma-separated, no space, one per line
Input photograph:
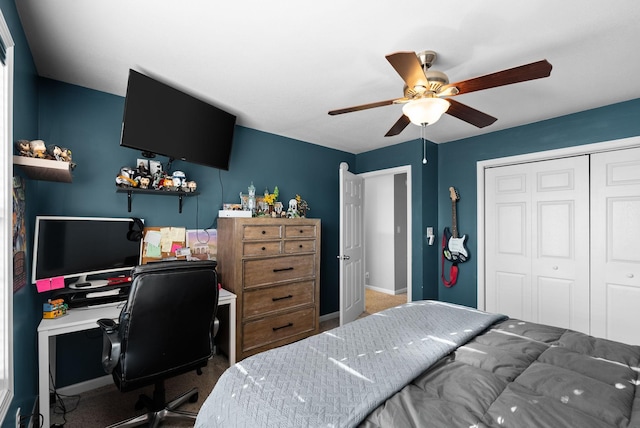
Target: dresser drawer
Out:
[267,330]
[304,231]
[301,246]
[265,300]
[268,248]
[276,269]
[262,232]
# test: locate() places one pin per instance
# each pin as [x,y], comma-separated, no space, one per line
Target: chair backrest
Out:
[166,325]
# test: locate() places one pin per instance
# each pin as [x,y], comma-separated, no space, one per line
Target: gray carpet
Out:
[104,406]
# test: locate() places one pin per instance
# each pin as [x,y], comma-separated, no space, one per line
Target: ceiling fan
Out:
[427,92]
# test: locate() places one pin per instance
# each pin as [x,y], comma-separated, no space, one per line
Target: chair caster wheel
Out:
[193,398]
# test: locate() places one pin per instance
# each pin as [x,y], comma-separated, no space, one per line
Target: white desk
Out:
[79,319]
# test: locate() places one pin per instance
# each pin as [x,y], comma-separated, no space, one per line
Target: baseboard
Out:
[87,385]
[330,316]
[386,290]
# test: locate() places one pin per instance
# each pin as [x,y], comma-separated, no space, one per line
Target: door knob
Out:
[343,257]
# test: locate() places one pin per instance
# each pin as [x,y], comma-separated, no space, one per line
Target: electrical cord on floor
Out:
[24,419]
[60,407]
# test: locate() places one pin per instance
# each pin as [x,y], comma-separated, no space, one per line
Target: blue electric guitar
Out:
[455,249]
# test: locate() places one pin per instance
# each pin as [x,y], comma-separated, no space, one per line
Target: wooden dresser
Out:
[273,266]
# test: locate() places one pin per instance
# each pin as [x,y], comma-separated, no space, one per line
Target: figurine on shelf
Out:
[191,186]
[144,182]
[179,180]
[157,178]
[38,149]
[126,178]
[61,154]
[23,147]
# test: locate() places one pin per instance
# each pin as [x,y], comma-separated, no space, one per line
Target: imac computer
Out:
[87,249]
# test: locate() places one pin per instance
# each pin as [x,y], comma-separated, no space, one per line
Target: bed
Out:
[432,364]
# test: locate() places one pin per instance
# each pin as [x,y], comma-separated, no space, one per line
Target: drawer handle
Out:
[264,232]
[275,299]
[283,326]
[300,246]
[301,231]
[263,248]
[283,269]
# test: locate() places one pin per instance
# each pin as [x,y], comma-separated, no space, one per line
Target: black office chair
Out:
[164,330]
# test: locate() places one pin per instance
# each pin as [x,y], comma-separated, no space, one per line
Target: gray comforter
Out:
[431,364]
[335,379]
[521,374]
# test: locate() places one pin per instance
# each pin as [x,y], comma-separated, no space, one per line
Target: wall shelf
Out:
[132,190]
[44,169]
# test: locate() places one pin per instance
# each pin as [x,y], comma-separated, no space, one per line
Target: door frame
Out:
[405,169]
[623,143]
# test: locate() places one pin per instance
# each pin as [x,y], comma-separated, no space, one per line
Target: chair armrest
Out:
[111,345]
[107,324]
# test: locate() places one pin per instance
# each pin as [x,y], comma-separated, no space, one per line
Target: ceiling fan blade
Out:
[469,114]
[361,107]
[535,70]
[408,67]
[398,127]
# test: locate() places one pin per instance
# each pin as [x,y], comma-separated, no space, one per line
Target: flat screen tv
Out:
[160,119]
[83,247]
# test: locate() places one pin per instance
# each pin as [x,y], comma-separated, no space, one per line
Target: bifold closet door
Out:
[537,241]
[615,237]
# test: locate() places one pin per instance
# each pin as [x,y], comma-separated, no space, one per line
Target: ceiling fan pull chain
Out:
[424,143]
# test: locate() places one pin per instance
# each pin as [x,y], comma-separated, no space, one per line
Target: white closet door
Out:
[615,235]
[508,241]
[560,243]
[537,242]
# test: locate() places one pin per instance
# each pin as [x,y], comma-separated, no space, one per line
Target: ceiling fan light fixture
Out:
[425,110]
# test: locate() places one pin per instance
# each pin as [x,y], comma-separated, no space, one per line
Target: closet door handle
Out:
[629,275]
[283,269]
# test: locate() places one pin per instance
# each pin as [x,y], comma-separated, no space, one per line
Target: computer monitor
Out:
[85,247]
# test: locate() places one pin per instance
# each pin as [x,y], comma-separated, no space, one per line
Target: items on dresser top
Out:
[273,266]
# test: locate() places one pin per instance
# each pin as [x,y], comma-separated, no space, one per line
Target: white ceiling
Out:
[281,65]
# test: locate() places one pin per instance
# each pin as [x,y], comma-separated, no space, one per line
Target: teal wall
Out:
[457,167]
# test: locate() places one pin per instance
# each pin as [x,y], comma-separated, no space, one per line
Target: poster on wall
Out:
[19,234]
[203,243]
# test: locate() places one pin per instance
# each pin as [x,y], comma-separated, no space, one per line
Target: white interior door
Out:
[351,257]
[537,242]
[615,234]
